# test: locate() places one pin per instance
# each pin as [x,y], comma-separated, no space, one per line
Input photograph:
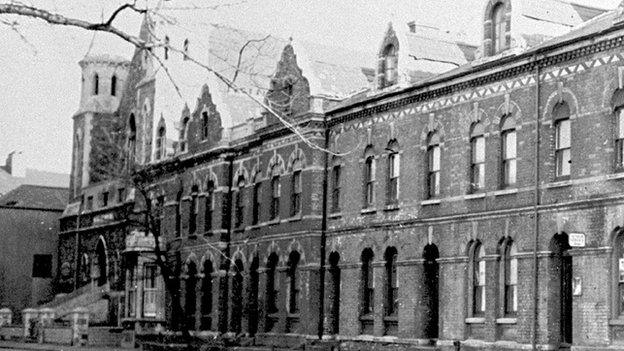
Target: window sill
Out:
[505,192]
[368,210]
[391,207]
[563,182]
[335,215]
[475,320]
[273,221]
[367,317]
[192,236]
[616,321]
[293,315]
[618,174]
[390,318]
[474,196]
[506,321]
[295,218]
[430,202]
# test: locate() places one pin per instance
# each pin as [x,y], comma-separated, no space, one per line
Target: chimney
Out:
[412,26]
[15,164]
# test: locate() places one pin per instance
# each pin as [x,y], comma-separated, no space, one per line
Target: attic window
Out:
[185,47]
[166,47]
[389,66]
[114,85]
[96,84]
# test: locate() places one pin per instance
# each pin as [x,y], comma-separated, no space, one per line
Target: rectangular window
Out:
[121,195]
[275,197]
[369,287]
[295,206]
[240,208]
[511,286]
[256,203]
[433,179]
[335,204]
[509,158]
[89,203]
[394,168]
[149,291]
[105,199]
[42,266]
[193,215]
[619,140]
[209,210]
[478,163]
[132,290]
[562,152]
[369,185]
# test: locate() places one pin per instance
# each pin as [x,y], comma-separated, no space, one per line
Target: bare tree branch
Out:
[240,54]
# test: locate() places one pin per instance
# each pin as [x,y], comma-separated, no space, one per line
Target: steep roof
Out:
[32,177]
[36,197]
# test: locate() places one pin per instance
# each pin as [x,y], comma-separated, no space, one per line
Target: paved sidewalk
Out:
[14,345]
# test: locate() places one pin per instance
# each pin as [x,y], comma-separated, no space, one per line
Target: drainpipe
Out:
[323,234]
[536,207]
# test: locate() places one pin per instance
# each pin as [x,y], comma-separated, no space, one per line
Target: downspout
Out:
[223,322]
[323,234]
[536,207]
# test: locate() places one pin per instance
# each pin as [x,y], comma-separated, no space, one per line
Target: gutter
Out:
[532,55]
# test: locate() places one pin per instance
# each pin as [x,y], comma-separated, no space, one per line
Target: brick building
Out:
[472,196]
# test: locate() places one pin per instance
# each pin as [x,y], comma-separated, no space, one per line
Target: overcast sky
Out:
[40,78]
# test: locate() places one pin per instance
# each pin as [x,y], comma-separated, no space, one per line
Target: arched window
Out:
[508,152]
[390,61]
[237,297]
[335,181]
[254,281]
[190,296]
[114,85]
[368,292]
[295,190]
[206,300]
[433,165]
[561,115]
[275,196]
[184,134]
[334,293]
[509,272]
[392,282]
[204,125]
[160,143]
[239,202]
[477,281]
[619,139]
[394,171]
[178,220]
[271,286]
[132,135]
[96,84]
[369,178]
[193,210]
[257,198]
[499,29]
[477,165]
[209,208]
[293,286]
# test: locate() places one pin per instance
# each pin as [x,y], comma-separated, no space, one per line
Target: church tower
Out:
[95,122]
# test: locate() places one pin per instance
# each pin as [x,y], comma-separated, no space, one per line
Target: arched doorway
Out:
[190,296]
[334,293]
[253,295]
[101,263]
[237,297]
[431,273]
[561,285]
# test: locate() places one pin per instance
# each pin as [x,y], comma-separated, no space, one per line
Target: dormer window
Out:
[498,28]
[389,66]
[183,134]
